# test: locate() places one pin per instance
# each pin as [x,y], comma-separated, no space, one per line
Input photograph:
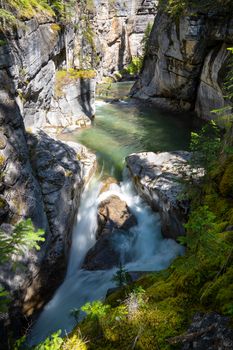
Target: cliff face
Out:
[186,61]
[28,63]
[43,179]
[111,33]
[104,37]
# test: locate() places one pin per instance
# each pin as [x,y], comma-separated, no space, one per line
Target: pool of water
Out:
[123,126]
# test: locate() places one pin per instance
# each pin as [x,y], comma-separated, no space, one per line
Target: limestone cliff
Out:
[29,58]
[43,179]
[111,32]
[186,60]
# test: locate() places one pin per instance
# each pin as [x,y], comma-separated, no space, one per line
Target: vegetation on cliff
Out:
[66,77]
[177,7]
[13,11]
[13,245]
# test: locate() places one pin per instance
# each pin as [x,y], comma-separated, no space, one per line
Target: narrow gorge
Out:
[116,174]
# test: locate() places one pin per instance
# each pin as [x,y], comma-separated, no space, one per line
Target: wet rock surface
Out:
[113,213]
[157,178]
[62,171]
[114,223]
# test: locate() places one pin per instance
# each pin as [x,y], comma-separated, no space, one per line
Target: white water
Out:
[143,250]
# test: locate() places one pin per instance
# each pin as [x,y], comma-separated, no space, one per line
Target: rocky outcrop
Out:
[43,179]
[186,60]
[207,331]
[18,185]
[73,107]
[110,34]
[62,171]
[114,223]
[29,59]
[158,179]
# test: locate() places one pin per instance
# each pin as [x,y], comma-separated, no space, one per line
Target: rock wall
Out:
[43,179]
[104,36]
[29,59]
[186,60]
[110,34]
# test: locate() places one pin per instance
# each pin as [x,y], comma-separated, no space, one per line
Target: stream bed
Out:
[122,126]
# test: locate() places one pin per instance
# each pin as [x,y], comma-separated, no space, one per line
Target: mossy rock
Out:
[226,184]
[2,160]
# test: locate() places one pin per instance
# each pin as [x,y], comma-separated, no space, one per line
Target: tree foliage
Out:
[205,146]
[13,11]
[121,277]
[23,236]
[178,7]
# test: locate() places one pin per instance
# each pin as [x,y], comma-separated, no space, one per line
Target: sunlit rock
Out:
[158,179]
[114,222]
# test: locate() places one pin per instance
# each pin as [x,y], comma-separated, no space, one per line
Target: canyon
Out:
[43,177]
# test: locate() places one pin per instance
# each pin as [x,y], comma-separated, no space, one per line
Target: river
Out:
[122,126]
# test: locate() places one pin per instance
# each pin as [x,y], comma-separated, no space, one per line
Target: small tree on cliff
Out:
[121,277]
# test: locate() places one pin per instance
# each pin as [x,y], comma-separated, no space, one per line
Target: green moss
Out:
[226,184]
[2,160]
[2,202]
[15,10]
[176,8]
[64,78]
[55,27]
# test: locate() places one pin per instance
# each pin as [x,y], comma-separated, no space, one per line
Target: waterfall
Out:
[83,237]
[143,250]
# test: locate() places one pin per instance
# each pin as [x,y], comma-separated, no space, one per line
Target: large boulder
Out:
[113,213]
[114,223]
[158,179]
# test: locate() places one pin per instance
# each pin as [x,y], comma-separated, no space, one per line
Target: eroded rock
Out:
[113,213]
[114,223]
[186,60]
[62,171]
[157,177]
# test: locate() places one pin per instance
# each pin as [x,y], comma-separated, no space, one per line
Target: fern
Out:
[23,236]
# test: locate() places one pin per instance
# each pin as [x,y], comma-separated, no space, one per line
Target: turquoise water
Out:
[125,126]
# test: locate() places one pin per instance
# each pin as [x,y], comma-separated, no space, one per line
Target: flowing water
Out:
[120,128]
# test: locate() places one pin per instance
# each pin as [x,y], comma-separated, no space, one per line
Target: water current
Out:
[121,127]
